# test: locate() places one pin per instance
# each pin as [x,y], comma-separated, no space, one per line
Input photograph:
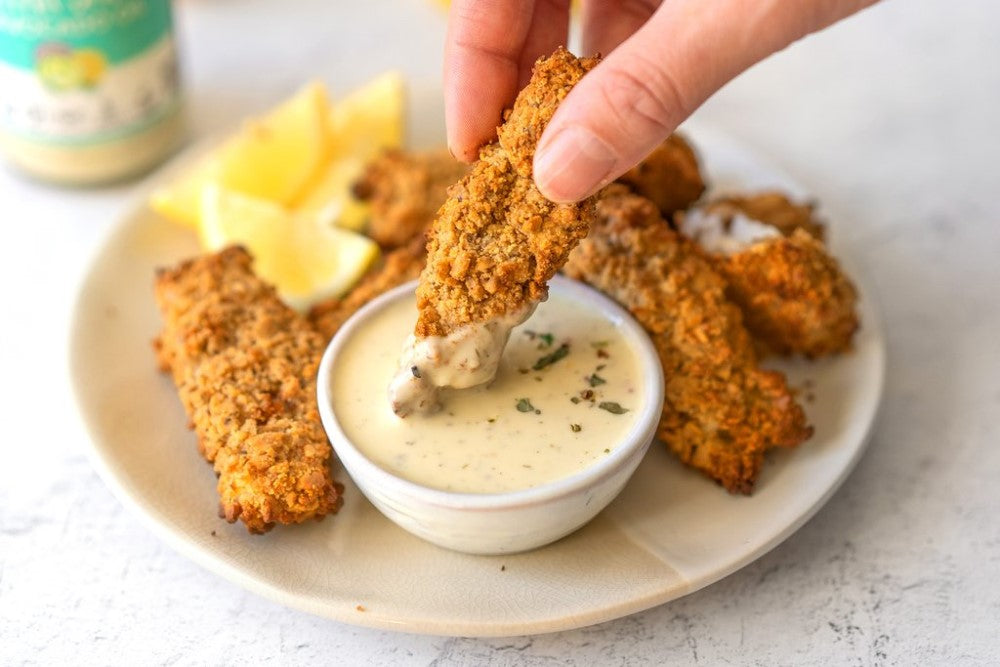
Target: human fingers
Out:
[482,60]
[608,23]
[636,97]
[549,29]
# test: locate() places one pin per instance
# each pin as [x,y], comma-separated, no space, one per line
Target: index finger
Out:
[482,57]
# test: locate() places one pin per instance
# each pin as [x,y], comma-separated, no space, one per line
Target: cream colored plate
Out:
[671,532]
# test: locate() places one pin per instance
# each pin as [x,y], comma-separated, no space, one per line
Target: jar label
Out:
[78,72]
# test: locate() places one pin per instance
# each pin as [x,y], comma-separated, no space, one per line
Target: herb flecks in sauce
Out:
[552,357]
[544,339]
[481,449]
[612,407]
[524,405]
[595,380]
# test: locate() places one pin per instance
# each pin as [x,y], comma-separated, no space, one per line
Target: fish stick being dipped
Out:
[491,251]
[405,189]
[245,368]
[721,412]
[795,297]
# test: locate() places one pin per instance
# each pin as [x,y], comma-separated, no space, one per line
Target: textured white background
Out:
[890,118]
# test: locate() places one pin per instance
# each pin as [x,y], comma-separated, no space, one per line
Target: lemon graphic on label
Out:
[91,64]
[57,68]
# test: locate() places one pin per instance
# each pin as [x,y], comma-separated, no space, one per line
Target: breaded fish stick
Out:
[245,368]
[492,249]
[405,190]
[794,296]
[669,176]
[397,267]
[721,412]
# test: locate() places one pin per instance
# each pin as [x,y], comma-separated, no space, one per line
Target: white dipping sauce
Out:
[467,357]
[525,428]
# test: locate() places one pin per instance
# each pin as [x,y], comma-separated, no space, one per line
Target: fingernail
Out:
[572,164]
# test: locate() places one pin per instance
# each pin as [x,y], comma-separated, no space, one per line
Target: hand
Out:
[664,58]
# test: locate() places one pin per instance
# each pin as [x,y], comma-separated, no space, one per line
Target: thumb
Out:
[639,94]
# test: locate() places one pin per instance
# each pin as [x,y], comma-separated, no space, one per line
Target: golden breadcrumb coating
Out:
[773,208]
[497,241]
[245,368]
[551,80]
[794,296]
[397,267]
[721,412]
[669,176]
[405,190]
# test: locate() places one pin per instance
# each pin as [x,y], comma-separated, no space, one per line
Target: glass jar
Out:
[89,89]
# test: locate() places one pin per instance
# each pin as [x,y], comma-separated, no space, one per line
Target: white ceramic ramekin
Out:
[496,523]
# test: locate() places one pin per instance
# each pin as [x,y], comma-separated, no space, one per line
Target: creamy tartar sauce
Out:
[568,388]
[467,357]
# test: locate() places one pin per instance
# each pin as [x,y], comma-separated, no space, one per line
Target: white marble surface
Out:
[888,117]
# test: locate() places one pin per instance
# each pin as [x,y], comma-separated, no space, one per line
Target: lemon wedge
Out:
[369,118]
[281,187]
[180,200]
[305,259]
[361,125]
[331,200]
[274,158]
[277,156]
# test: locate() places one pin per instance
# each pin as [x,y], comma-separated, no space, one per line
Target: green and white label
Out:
[85,71]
